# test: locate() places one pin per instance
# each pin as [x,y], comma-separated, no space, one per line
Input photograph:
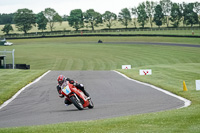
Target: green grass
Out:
[170,66]
[170,77]
[72,40]
[13,80]
[61,54]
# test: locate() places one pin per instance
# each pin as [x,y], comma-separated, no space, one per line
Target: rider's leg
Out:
[67,102]
[81,87]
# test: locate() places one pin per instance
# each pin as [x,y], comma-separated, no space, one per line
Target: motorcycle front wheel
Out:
[91,105]
[77,103]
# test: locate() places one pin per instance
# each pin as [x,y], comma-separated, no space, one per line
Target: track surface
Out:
[112,94]
[153,43]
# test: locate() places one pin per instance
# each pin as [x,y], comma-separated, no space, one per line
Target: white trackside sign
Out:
[197,84]
[126,66]
[145,71]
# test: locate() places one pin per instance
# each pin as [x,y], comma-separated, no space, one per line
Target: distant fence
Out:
[104,32]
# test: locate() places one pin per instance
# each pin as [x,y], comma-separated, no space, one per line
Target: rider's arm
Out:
[71,81]
[75,83]
[59,91]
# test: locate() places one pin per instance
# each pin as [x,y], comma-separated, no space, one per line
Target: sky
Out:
[63,7]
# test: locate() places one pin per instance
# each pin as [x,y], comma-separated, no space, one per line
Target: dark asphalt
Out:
[154,43]
[112,94]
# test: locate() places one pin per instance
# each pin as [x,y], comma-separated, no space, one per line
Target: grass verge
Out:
[12,81]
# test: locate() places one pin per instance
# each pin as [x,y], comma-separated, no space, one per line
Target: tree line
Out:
[158,13]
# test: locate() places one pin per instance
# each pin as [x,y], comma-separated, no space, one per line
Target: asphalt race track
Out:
[113,95]
[154,43]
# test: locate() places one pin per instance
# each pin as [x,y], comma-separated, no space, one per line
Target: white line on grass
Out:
[13,97]
[186,102]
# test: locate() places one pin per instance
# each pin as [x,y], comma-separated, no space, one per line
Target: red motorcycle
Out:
[76,96]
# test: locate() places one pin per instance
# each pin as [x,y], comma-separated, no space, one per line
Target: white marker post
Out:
[197,85]
[126,66]
[145,71]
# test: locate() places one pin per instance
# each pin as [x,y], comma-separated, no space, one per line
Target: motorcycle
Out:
[76,96]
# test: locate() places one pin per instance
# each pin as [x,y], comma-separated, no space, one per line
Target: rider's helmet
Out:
[61,79]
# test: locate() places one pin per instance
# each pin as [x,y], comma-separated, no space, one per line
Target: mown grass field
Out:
[170,65]
[70,54]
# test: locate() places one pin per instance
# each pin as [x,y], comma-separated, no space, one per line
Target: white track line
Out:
[13,97]
[186,102]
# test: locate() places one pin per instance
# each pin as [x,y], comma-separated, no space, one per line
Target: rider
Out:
[61,79]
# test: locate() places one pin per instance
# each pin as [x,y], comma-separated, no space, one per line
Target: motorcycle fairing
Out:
[66,90]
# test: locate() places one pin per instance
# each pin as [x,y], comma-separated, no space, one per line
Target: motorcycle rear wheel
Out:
[77,103]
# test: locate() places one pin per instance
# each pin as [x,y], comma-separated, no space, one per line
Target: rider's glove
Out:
[75,84]
[61,95]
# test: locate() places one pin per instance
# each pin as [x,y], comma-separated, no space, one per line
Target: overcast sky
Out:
[63,7]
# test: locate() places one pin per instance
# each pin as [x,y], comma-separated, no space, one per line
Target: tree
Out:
[7,28]
[24,19]
[125,16]
[52,17]
[158,16]
[76,19]
[182,8]
[197,10]
[135,14]
[176,15]
[6,18]
[166,6]
[41,21]
[150,9]
[142,15]
[92,18]
[190,17]
[64,18]
[108,17]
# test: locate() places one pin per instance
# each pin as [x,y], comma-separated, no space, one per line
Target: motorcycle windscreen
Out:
[66,90]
